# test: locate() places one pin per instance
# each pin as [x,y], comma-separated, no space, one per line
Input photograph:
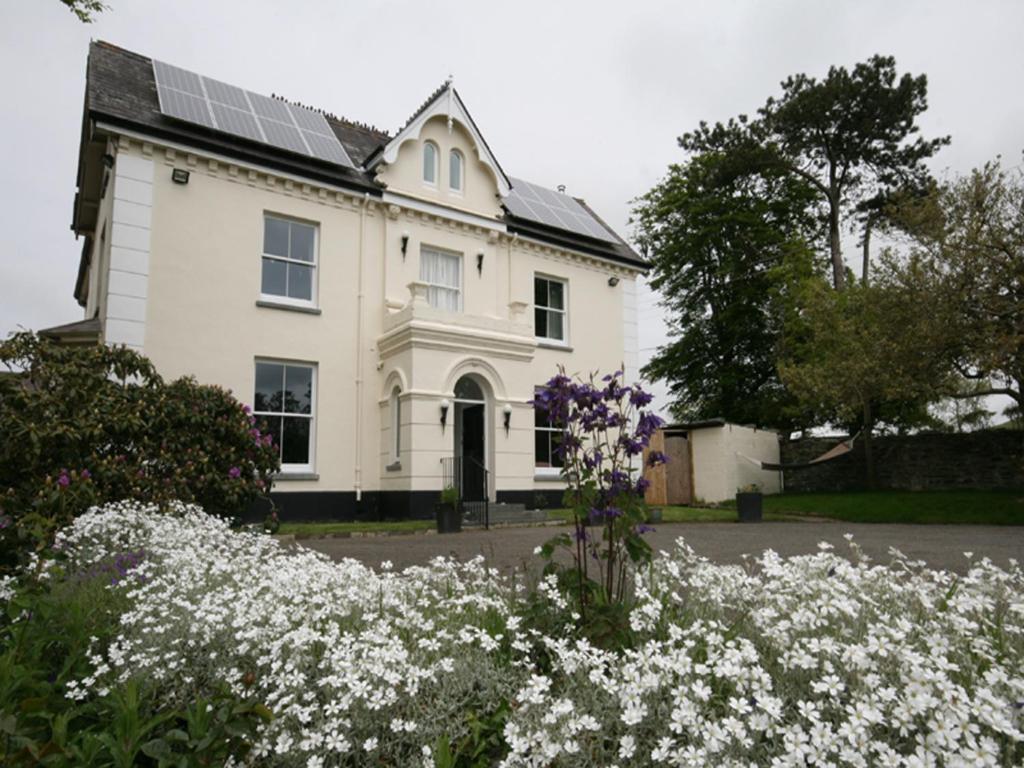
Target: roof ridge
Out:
[430,100]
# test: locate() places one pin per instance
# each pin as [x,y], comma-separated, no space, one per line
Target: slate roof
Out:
[121,90]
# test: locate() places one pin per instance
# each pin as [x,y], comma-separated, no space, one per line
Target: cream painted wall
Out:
[717,469]
[405,175]
[202,317]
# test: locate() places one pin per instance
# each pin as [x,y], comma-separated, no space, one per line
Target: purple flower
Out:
[234,473]
[643,528]
[654,458]
[246,409]
[86,474]
[63,481]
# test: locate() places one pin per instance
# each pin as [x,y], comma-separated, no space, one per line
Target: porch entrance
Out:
[470,435]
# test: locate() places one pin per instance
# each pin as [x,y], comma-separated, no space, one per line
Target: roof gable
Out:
[447,103]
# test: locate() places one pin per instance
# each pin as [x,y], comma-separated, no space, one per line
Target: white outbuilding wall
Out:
[718,469]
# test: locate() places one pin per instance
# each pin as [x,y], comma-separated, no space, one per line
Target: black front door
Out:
[473,452]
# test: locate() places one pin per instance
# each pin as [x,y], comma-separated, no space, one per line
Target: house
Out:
[387,303]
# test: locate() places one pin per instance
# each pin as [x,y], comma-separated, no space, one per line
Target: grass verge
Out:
[340,529]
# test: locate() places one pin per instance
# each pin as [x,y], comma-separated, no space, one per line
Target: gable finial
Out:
[448,84]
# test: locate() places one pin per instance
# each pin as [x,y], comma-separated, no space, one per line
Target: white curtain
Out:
[442,272]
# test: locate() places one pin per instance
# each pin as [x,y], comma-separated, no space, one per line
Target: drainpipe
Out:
[359,350]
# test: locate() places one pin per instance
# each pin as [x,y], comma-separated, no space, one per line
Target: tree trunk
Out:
[838,269]
[868,224]
[869,458]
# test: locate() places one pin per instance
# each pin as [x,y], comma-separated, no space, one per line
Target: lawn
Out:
[341,529]
[948,507]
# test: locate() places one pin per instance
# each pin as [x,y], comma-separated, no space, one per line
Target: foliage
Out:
[46,634]
[819,659]
[85,10]
[605,427]
[86,424]
[970,233]
[724,230]
[450,496]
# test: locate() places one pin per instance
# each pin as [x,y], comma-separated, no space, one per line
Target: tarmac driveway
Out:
[941,546]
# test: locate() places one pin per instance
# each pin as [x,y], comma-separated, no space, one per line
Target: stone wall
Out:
[988,460]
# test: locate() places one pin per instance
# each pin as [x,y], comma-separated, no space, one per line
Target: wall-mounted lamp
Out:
[179,176]
[480,263]
[613,281]
[507,410]
[405,244]
[445,405]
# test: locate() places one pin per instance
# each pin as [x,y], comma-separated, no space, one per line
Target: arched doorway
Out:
[470,435]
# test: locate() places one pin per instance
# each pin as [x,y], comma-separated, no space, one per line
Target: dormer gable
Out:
[440,155]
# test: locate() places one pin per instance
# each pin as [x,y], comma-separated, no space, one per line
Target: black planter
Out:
[749,507]
[449,518]
[654,515]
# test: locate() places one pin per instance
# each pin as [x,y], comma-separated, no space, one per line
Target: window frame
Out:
[453,153]
[545,470]
[273,298]
[564,312]
[424,248]
[436,183]
[309,467]
[396,425]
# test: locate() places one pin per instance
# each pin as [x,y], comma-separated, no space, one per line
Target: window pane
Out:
[467,389]
[556,321]
[275,236]
[295,441]
[274,277]
[455,170]
[300,282]
[541,450]
[429,163]
[556,295]
[298,385]
[269,385]
[540,292]
[303,241]
[540,321]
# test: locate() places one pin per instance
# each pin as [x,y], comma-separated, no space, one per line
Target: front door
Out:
[472,451]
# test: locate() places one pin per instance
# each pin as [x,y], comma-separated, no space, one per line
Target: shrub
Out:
[787,662]
[84,425]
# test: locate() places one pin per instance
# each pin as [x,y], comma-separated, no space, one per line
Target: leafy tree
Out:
[720,229]
[870,354]
[85,425]
[85,10]
[850,137]
[971,233]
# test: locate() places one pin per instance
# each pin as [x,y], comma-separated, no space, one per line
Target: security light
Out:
[179,176]
[613,281]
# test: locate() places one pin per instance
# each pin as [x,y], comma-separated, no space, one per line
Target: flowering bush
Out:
[84,425]
[604,429]
[808,660]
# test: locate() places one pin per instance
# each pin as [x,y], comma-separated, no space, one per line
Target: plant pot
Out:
[654,515]
[749,506]
[449,519]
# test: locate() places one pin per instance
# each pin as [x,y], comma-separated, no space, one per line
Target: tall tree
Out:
[718,229]
[971,232]
[850,137]
[85,10]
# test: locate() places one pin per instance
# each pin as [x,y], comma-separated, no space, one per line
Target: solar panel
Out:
[227,108]
[536,203]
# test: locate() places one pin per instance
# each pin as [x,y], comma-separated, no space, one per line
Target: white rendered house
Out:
[387,303]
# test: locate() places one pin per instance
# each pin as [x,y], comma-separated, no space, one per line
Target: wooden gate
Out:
[669,483]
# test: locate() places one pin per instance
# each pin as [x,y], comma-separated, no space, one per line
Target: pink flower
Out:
[86,474]
[64,481]
[234,473]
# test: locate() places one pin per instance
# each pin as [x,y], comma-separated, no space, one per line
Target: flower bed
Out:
[807,660]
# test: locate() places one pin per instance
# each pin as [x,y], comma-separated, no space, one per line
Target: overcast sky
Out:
[587,94]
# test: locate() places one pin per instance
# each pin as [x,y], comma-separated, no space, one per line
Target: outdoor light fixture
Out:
[405,244]
[179,176]
[480,263]
[507,410]
[445,405]
[613,281]
[108,160]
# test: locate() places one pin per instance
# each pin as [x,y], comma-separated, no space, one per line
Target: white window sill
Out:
[309,309]
[553,344]
[394,466]
[551,474]
[288,476]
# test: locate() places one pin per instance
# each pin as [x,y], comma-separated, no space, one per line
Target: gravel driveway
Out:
[941,546]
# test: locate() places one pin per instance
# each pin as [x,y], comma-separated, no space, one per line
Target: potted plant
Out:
[749,503]
[654,514]
[449,519]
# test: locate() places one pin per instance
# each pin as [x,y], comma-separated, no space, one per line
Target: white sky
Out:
[587,94]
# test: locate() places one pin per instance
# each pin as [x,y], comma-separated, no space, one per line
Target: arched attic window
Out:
[430,162]
[455,173]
